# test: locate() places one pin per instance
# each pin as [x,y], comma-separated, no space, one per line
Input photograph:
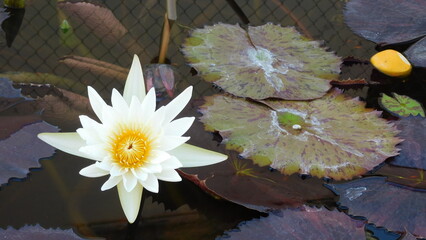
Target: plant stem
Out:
[165,38]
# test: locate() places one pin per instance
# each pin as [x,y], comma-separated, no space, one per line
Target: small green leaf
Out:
[401,105]
[65,26]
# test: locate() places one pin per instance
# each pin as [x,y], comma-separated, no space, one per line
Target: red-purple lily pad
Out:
[387,21]
[409,236]
[263,62]
[416,53]
[410,177]
[413,148]
[309,223]
[240,181]
[395,208]
[59,107]
[22,151]
[38,233]
[333,136]
[11,124]
[99,19]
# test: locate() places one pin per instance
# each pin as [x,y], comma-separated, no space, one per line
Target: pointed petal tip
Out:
[135,83]
[192,156]
[130,201]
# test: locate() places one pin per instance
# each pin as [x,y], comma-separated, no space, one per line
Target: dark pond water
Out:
[56,196]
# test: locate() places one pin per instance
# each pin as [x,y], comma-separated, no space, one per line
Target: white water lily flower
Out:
[134,144]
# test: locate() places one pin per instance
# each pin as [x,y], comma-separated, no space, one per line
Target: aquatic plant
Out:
[319,223]
[37,232]
[394,22]
[20,131]
[134,144]
[333,136]
[387,22]
[396,208]
[413,148]
[265,61]
[401,105]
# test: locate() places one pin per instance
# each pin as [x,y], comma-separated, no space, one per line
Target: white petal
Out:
[91,130]
[96,151]
[69,142]
[135,83]
[129,181]
[93,171]
[105,164]
[171,163]
[130,201]
[139,174]
[178,104]
[152,168]
[109,116]
[192,156]
[157,119]
[179,126]
[169,176]
[110,183]
[96,102]
[170,142]
[118,103]
[151,183]
[146,108]
[117,170]
[158,156]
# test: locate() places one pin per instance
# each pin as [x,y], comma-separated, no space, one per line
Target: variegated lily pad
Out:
[332,136]
[401,105]
[267,61]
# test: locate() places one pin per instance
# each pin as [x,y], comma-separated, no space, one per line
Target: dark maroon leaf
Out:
[410,177]
[260,188]
[395,208]
[409,236]
[416,54]
[413,148]
[310,223]
[38,233]
[11,124]
[99,19]
[387,21]
[22,151]
[59,107]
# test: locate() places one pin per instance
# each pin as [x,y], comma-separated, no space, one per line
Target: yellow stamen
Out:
[130,147]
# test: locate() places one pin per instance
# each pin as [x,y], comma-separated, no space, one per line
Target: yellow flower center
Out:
[130,148]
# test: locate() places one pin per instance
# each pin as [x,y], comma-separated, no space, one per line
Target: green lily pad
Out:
[332,136]
[267,61]
[401,105]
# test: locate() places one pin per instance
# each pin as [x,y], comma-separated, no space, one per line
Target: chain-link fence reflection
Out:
[43,40]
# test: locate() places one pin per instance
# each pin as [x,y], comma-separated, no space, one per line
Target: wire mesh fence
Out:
[135,28]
